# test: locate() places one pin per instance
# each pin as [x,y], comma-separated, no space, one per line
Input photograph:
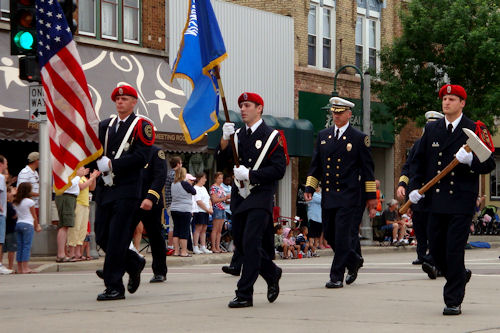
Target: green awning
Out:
[298,132]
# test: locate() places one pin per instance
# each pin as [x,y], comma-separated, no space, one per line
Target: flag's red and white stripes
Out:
[73,122]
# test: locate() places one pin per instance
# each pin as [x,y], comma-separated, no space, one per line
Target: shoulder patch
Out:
[161,154]
[367,141]
[148,131]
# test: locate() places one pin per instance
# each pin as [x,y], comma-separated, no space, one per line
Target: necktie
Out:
[120,123]
[249,131]
[450,128]
[337,134]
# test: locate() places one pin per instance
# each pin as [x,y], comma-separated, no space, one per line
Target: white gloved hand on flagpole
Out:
[227,130]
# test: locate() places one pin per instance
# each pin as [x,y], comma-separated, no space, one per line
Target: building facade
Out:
[329,35]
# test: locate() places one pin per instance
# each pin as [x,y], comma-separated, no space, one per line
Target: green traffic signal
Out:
[24,40]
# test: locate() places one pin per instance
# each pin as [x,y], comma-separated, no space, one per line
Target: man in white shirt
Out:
[30,175]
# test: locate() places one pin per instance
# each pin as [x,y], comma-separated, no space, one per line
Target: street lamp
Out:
[366,121]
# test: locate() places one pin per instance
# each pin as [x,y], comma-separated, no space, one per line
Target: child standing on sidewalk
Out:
[27,223]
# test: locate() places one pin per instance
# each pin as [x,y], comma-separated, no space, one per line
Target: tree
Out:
[443,41]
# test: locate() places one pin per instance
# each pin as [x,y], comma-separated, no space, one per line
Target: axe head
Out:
[475,144]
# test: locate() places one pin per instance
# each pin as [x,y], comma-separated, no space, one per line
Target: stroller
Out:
[487,222]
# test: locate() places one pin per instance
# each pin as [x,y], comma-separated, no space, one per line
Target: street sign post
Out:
[38,112]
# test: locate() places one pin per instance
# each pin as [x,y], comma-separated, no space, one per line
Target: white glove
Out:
[464,157]
[415,196]
[227,130]
[241,173]
[103,164]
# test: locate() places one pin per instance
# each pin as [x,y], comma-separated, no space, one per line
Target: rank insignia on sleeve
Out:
[161,154]
[367,141]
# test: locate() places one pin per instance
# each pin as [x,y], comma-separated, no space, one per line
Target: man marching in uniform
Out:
[262,163]
[127,141]
[450,202]
[420,215]
[154,177]
[342,161]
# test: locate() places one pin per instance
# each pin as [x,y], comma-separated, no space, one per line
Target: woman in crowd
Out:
[27,223]
[77,233]
[315,226]
[201,214]
[218,196]
[181,210]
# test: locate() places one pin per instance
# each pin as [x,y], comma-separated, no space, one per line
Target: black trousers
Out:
[447,239]
[338,225]
[254,241]
[115,223]
[151,219]
[236,260]
[421,226]
[357,218]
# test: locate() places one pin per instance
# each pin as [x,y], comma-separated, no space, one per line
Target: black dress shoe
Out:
[110,295]
[334,285]
[273,290]
[452,310]
[468,275]
[158,278]
[231,270]
[239,302]
[100,273]
[417,261]
[134,279]
[353,275]
[431,271]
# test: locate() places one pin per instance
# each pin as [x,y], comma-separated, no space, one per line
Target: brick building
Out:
[330,34]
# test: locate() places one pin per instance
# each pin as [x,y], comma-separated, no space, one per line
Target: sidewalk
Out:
[48,264]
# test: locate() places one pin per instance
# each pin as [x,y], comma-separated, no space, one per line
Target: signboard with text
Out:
[38,112]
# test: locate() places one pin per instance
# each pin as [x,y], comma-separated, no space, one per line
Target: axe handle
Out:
[434,180]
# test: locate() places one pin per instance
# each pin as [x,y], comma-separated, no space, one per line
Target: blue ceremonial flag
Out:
[202,48]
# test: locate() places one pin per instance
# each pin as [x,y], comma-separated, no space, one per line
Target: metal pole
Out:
[366,105]
[45,172]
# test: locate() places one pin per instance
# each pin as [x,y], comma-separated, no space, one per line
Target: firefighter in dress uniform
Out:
[262,163]
[127,141]
[343,163]
[420,214]
[450,202]
[154,177]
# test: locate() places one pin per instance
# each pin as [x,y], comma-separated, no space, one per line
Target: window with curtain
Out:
[359,42]
[367,38]
[109,15]
[321,25]
[327,39]
[131,20]
[311,37]
[4,10]
[86,17]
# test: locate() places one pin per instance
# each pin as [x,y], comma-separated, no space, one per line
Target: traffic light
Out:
[69,7]
[29,69]
[22,27]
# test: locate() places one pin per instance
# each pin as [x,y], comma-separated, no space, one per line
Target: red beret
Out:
[452,89]
[251,97]
[122,91]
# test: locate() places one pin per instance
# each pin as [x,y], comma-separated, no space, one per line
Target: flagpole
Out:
[226,114]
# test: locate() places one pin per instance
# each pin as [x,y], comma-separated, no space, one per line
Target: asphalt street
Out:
[390,295]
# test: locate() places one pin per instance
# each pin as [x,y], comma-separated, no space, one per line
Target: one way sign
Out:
[38,112]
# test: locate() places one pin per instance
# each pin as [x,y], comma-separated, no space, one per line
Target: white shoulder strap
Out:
[265,149]
[126,137]
[111,123]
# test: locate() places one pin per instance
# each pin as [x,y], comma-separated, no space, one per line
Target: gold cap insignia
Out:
[120,91]
[448,89]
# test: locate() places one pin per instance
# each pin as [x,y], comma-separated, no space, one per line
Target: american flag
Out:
[73,121]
